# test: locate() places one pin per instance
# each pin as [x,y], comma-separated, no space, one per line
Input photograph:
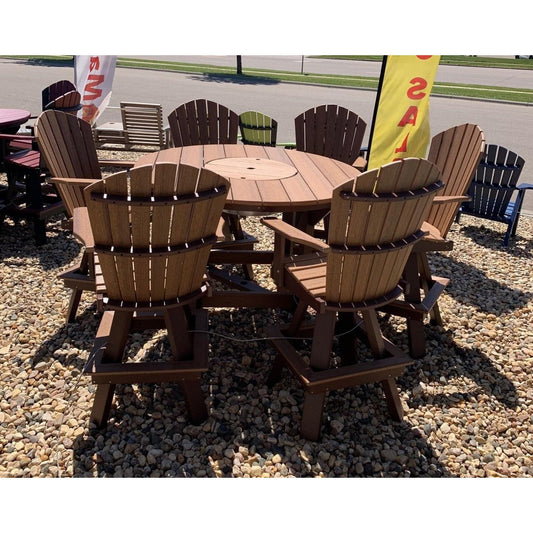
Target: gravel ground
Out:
[469,402]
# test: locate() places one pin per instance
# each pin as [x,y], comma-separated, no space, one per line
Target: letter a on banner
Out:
[94,78]
[401,117]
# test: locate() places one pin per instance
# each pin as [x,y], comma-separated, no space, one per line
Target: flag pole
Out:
[376,104]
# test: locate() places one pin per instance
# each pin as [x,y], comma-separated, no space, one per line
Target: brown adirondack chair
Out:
[330,130]
[67,146]
[153,229]
[456,152]
[374,223]
[203,122]
[206,122]
[141,127]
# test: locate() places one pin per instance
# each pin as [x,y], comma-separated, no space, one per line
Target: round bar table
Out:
[11,119]
[265,179]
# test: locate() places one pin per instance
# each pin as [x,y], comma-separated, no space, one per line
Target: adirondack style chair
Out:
[69,102]
[330,130]
[53,91]
[206,122]
[494,184]
[374,223]
[203,122]
[141,126]
[456,152]
[257,128]
[67,146]
[153,229]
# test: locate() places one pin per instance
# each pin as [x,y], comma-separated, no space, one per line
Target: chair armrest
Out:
[360,163]
[294,234]
[450,199]
[78,182]
[525,186]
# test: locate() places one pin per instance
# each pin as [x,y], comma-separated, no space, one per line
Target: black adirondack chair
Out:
[493,188]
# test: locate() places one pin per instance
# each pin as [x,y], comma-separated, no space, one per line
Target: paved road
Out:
[516,78]
[506,124]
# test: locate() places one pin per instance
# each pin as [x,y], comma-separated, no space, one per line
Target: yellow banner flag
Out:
[401,123]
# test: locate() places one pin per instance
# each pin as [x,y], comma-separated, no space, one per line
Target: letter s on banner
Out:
[94,79]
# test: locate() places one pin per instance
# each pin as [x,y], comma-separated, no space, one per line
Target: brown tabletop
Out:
[265,179]
[11,119]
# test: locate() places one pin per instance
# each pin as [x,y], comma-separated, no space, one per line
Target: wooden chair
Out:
[203,122]
[141,127]
[330,130]
[67,146]
[375,222]
[257,128]
[53,91]
[153,229]
[495,182]
[69,102]
[456,152]
[206,122]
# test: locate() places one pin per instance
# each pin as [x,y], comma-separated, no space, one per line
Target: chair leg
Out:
[392,396]
[427,283]
[194,400]
[183,345]
[74,302]
[373,332]
[112,334]
[275,372]
[415,326]
[312,411]
[347,344]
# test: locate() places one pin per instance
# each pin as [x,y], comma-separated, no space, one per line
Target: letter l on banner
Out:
[94,78]
[401,118]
